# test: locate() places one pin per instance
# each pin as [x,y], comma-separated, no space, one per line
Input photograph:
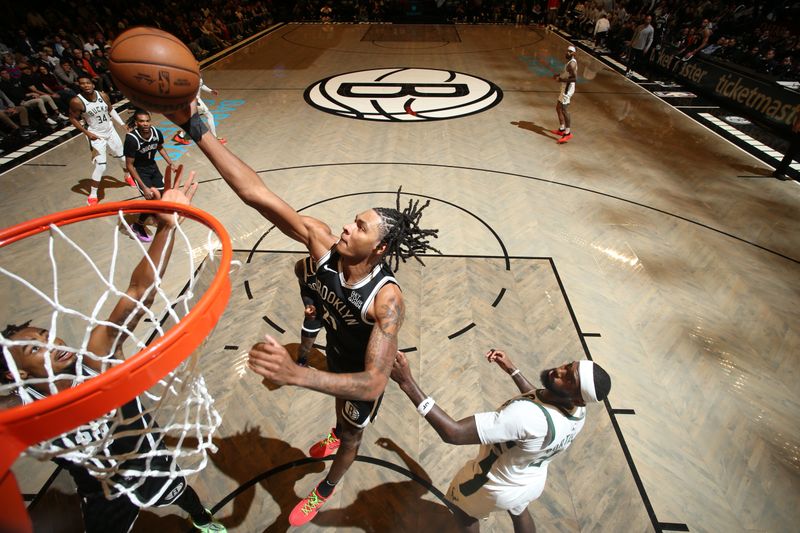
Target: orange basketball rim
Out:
[25,425]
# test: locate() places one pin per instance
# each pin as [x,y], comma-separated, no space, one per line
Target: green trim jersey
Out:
[518,441]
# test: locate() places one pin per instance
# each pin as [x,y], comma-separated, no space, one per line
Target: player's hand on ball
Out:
[401,373]
[182,115]
[271,360]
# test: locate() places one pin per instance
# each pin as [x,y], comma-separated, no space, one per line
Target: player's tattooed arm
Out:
[389,311]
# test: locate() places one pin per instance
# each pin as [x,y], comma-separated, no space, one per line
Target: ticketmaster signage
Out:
[762,101]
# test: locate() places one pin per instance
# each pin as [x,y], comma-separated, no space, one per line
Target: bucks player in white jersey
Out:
[202,110]
[567,78]
[517,441]
[91,114]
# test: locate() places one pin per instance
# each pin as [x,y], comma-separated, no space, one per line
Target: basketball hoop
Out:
[26,425]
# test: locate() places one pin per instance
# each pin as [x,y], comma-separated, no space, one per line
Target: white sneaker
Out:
[51,122]
[62,117]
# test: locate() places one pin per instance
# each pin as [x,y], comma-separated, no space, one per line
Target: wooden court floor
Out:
[647,243]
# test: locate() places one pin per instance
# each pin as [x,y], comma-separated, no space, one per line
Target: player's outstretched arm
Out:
[271,360]
[504,362]
[104,337]
[251,189]
[463,431]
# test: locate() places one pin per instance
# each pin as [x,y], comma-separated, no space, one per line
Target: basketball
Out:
[154,69]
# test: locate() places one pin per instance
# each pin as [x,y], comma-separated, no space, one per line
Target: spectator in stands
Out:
[8,110]
[537,15]
[90,45]
[24,45]
[48,58]
[20,97]
[67,76]
[58,47]
[9,64]
[33,86]
[705,39]
[100,65]
[786,70]
[47,81]
[601,28]
[770,63]
[640,44]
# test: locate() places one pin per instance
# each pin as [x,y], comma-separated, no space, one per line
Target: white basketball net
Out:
[165,432]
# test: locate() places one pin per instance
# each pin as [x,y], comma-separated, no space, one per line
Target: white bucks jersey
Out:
[96,115]
[518,442]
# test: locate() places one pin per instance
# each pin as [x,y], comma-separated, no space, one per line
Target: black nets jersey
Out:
[131,438]
[347,327]
[143,151]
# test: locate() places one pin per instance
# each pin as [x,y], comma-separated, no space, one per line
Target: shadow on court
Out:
[84,186]
[393,507]
[535,128]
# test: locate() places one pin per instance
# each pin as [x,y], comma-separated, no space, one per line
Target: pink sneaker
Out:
[129,180]
[307,509]
[325,447]
[92,200]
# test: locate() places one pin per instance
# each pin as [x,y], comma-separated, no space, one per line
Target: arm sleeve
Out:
[206,88]
[115,116]
[516,421]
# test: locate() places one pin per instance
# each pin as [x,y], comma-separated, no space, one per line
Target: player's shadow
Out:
[535,128]
[316,359]
[242,457]
[84,186]
[393,507]
[750,171]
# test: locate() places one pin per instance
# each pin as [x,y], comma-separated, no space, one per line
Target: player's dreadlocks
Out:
[401,232]
[10,330]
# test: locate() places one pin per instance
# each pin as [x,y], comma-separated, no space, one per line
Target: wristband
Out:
[425,407]
[194,127]
[515,372]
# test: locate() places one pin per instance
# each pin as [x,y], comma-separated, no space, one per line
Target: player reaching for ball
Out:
[203,110]
[91,114]
[364,307]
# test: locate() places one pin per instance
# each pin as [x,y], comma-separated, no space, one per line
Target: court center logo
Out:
[403,94]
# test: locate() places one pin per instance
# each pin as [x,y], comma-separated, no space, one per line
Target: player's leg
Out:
[201,517]
[202,109]
[108,516]
[561,120]
[565,99]
[351,418]
[523,522]
[465,522]
[115,148]
[312,323]
[153,179]
[98,147]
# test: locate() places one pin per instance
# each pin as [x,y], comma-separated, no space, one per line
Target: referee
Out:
[141,145]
